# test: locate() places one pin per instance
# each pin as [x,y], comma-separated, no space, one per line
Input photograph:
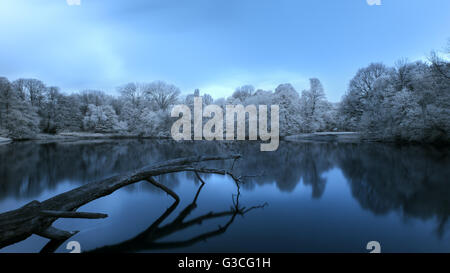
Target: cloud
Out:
[212,45]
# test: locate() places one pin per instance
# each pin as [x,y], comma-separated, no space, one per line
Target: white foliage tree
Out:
[101,119]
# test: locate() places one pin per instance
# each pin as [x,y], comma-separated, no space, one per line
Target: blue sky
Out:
[214,45]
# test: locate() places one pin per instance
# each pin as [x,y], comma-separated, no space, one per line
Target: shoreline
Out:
[320,136]
[344,137]
[323,137]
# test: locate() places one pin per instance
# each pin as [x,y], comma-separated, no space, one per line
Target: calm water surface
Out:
[319,197]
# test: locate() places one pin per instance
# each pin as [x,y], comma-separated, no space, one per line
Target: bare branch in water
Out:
[37,217]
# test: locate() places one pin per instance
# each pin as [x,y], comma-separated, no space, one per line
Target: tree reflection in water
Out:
[412,180]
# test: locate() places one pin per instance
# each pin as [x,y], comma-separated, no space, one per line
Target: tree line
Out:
[29,107]
[408,102]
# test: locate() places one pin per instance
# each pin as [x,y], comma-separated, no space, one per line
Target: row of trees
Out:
[145,108]
[28,107]
[299,113]
[408,102]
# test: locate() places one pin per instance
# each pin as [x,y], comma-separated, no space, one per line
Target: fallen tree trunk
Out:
[37,217]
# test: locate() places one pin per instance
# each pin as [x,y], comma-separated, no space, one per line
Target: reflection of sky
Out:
[292,222]
[213,45]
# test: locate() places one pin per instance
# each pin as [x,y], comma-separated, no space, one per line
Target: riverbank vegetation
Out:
[408,102]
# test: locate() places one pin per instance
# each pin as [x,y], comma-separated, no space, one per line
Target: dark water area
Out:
[304,197]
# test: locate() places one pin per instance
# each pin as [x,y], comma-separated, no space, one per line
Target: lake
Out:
[304,197]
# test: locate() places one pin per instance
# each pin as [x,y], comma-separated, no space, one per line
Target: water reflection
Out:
[383,178]
[28,169]
[150,239]
[411,179]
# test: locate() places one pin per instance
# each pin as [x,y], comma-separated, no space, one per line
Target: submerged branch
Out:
[56,234]
[72,214]
[164,188]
